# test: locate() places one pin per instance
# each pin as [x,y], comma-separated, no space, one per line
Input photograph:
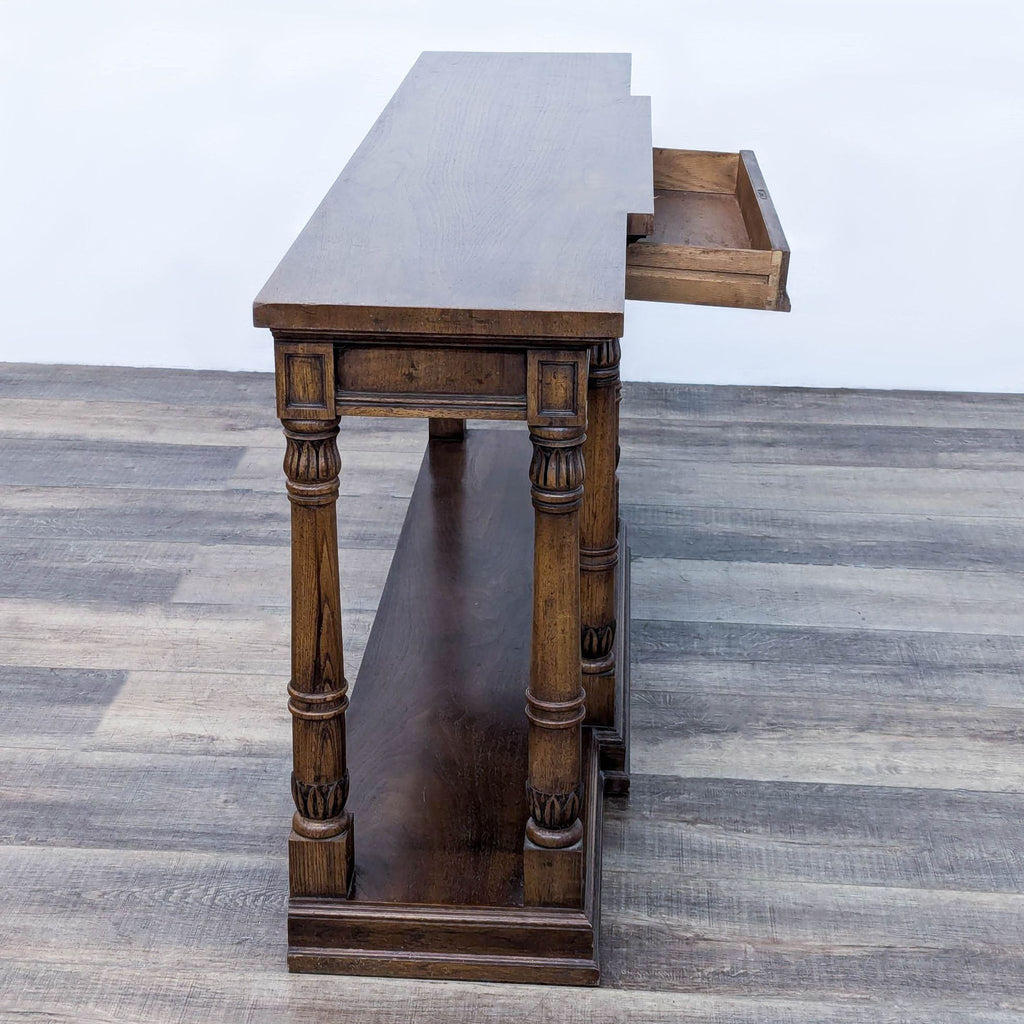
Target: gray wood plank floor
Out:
[827,815]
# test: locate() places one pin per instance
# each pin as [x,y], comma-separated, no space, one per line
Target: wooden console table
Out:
[471,263]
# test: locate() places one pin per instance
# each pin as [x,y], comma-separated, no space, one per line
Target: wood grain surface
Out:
[826,819]
[438,761]
[490,197]
[716,238]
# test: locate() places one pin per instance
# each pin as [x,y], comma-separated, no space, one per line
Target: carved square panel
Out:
[557,388]
[305,380]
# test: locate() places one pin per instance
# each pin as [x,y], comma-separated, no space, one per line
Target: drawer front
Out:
[716,238]
[415,380]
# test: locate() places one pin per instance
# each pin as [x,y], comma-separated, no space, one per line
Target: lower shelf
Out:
[437,750]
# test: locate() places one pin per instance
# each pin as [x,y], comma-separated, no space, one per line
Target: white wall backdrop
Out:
[156,159]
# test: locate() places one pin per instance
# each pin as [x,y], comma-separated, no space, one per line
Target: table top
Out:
[489,199]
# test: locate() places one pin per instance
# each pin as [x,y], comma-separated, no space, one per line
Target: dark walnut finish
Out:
[557,416]
[320,848]
[440,753]
[599,562]
[469,263]
[490,198]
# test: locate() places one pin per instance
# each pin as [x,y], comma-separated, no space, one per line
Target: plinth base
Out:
[437,751]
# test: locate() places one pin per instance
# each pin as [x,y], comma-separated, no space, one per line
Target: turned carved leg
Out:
[553,850]
[599,548]
[320,849]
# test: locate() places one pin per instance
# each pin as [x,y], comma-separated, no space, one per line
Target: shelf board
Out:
[437,731]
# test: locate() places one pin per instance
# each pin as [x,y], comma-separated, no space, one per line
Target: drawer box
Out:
[716,239]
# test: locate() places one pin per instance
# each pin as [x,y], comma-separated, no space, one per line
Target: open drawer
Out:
[716,239]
